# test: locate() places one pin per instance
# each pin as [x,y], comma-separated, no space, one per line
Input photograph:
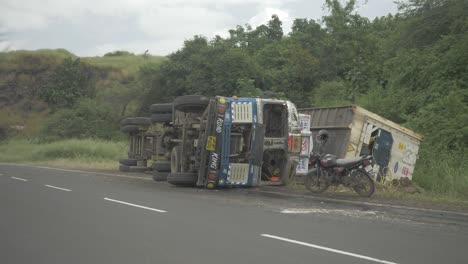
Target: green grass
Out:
[25,59]
[88,153]
[443,173]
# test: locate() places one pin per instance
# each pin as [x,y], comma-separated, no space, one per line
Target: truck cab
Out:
[232,142]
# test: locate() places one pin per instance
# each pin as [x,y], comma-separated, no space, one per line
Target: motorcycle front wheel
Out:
[362,183]
[316,183]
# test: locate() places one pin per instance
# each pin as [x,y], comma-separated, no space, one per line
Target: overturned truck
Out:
[217,142]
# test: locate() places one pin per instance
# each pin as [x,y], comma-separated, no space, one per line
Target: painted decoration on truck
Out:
[302,166]
[304,123]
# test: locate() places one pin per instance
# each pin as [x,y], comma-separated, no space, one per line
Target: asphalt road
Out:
[67,216]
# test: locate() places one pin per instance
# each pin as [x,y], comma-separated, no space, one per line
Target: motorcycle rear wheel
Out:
[362,183]
[316,183]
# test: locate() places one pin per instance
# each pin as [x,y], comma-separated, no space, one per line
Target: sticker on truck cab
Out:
[211,143]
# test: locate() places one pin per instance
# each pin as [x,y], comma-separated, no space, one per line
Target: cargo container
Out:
[355,131]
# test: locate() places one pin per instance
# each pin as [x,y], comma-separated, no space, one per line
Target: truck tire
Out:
[182,179]
[161,108]
[191,103]
[130,129]
[128,162]
[137,169]
[161,118]
[137,121]
[162,166]
[175,159]
[160,176]
[124,168]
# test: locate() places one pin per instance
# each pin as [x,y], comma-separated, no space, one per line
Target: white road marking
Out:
[135,205]
[328,249]
[58,188]
[19,179]
[95,173]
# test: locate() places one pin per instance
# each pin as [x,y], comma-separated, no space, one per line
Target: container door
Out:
[383,148]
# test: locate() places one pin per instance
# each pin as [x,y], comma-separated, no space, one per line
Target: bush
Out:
[87,120]
[443,171]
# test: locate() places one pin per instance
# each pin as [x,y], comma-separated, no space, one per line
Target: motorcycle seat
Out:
[348,162]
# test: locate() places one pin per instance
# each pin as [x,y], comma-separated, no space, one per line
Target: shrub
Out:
[87,120]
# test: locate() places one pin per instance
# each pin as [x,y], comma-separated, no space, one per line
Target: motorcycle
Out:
[331,171]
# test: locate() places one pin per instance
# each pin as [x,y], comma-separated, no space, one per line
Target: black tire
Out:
[161,118]
[137,121]
[160,176]
[182,179]
[191,103]
[161,108]
[175,159]
[315,183]
[128,162]
[124,168]
[131,129]
[162,166]
[362,183]
[137,169]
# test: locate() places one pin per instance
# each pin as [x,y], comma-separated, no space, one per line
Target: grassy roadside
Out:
[395,193]
[84,153]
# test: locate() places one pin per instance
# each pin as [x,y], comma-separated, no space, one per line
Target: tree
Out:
[275,30]
[68,83]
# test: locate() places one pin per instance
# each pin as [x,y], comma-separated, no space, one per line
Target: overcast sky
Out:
[95,27]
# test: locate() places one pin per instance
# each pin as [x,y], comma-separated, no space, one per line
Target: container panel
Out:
[329,117]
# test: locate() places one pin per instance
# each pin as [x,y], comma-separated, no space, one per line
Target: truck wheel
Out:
[124,168]
[161,118]
[175,159]
[128,162]
[127,168]
[160,176]
[130,129]
[137,121]
[162,166]
[137,169]
[161,108]
[182,179]
[191,103]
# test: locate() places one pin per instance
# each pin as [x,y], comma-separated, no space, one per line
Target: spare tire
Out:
[161,108]
[182,179]
[191,103]
[163,166]
[138,121]
[160,176]
[128,162]
[131,129]
[161,118]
